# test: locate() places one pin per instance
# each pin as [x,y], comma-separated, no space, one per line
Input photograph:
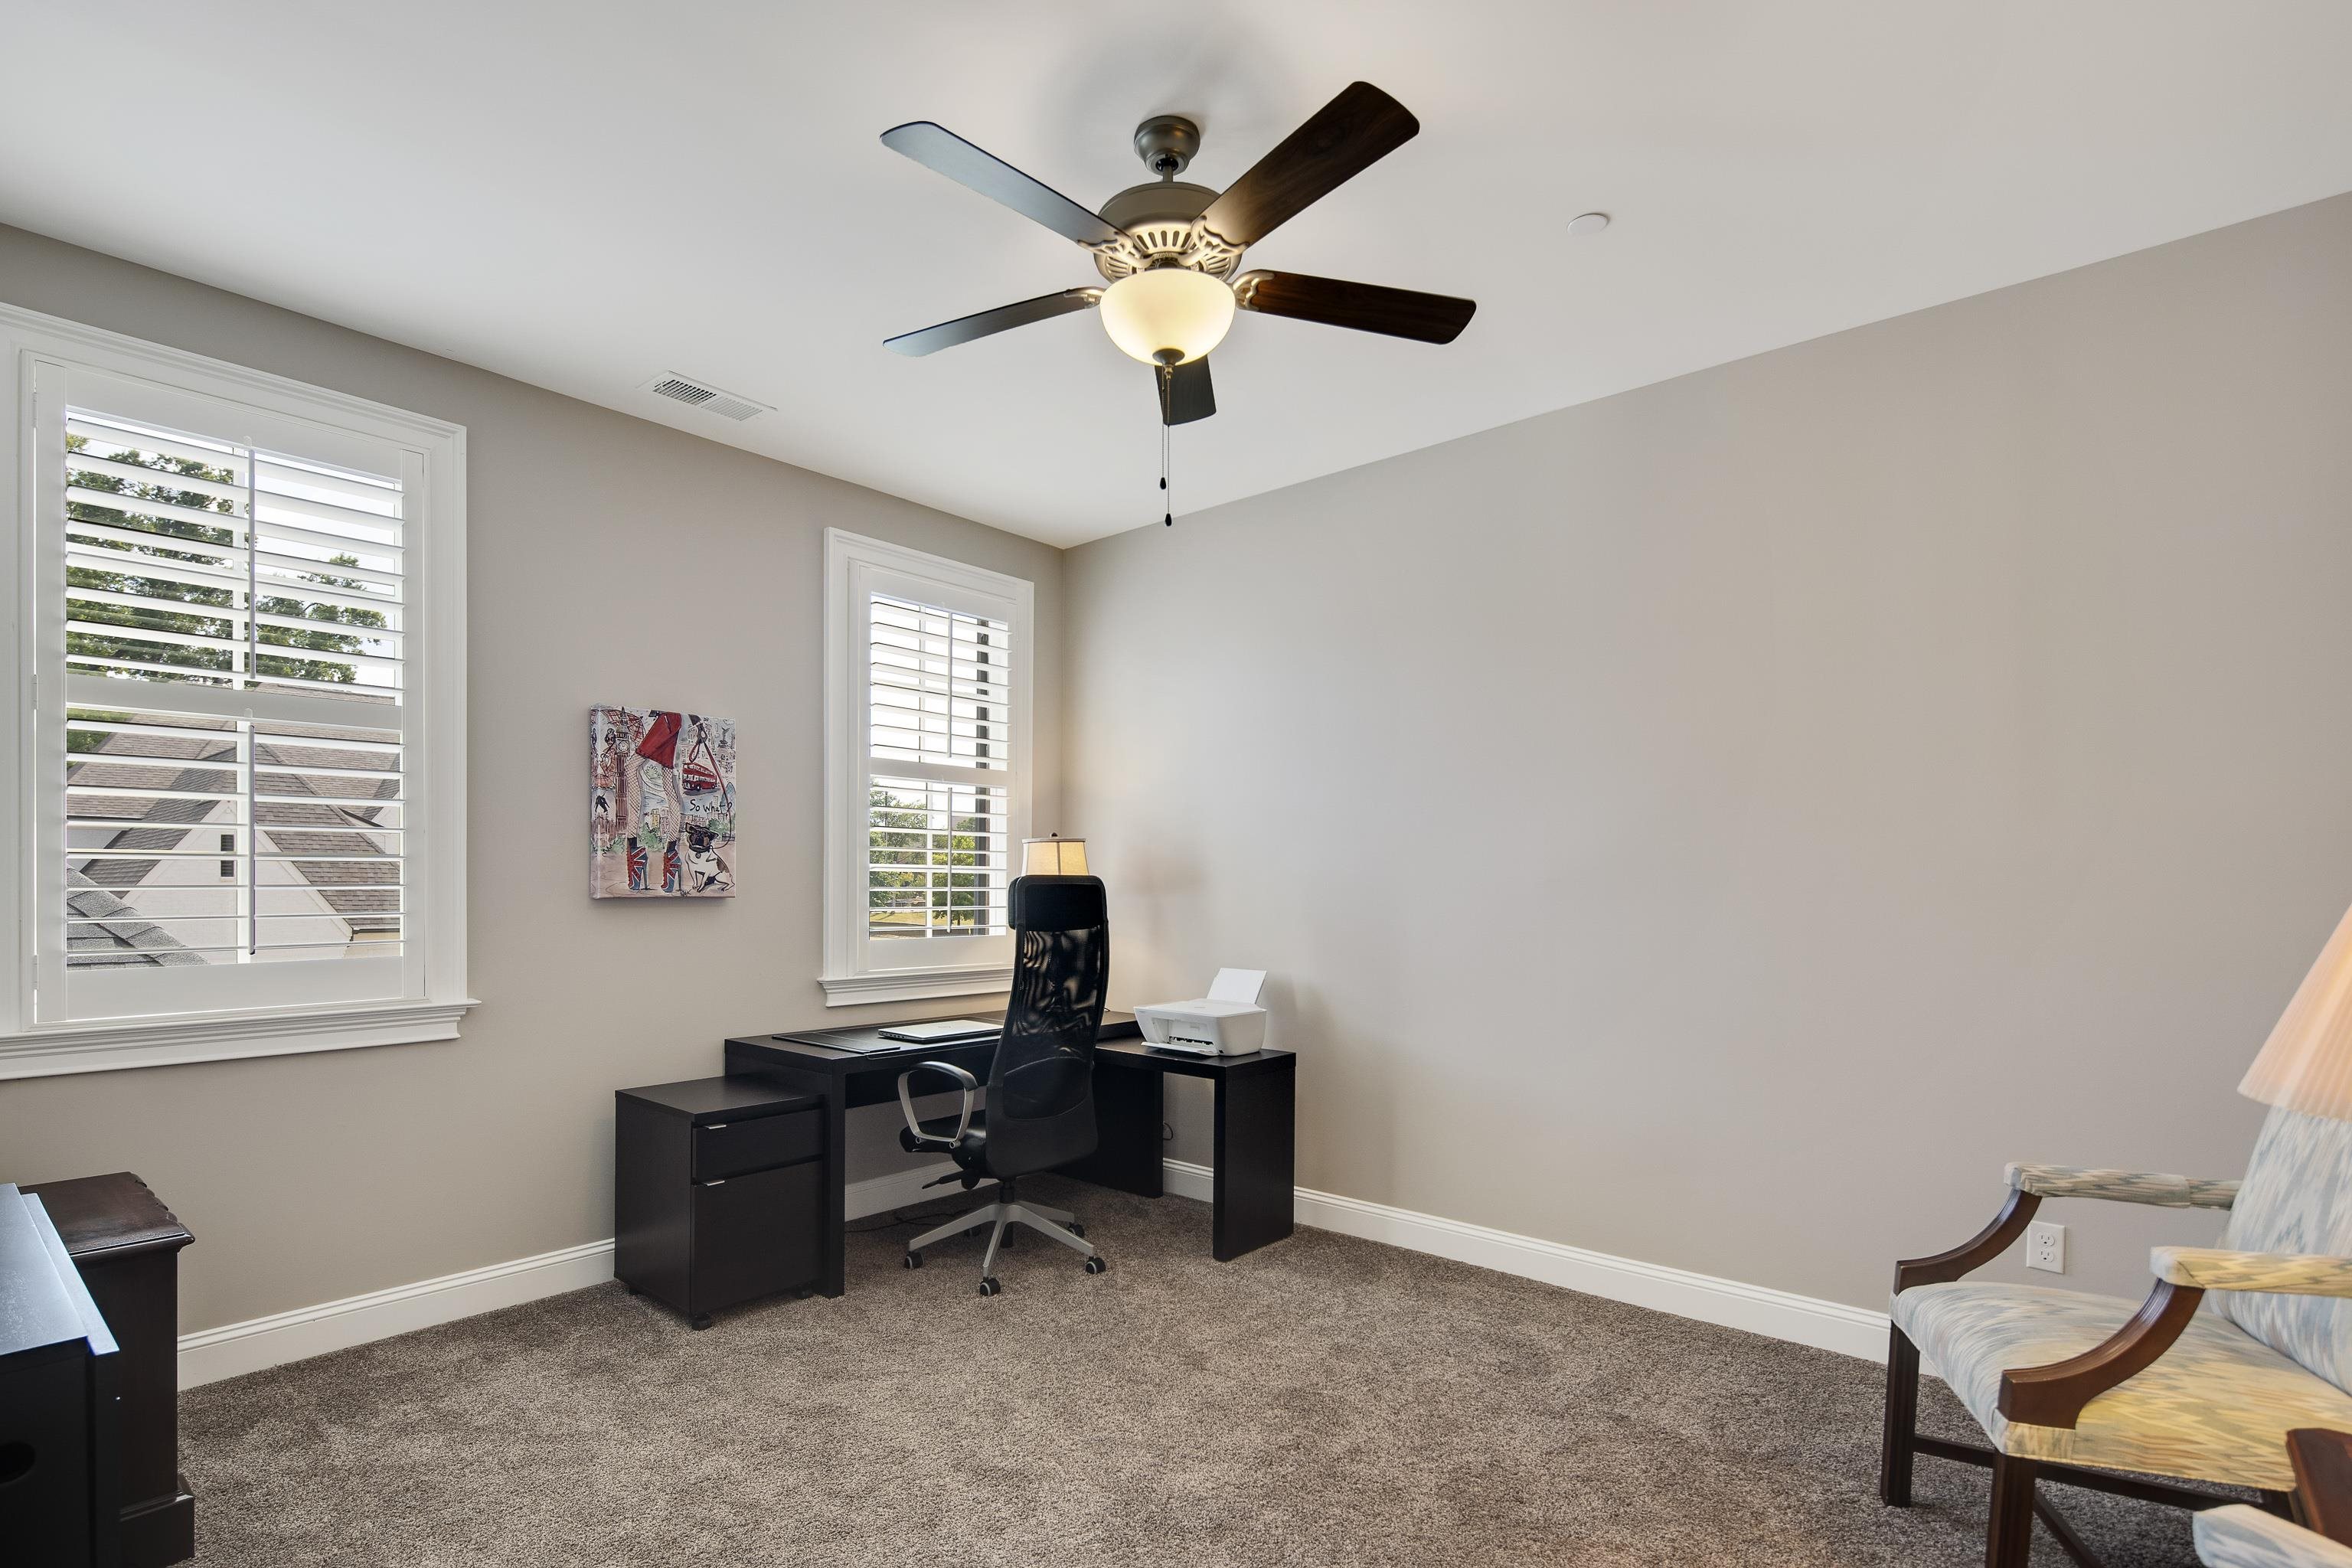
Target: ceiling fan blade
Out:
[1185,394]
[981,324]
[936,147]
[1344,138]
[1366,307]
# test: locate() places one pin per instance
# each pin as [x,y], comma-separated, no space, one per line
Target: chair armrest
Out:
[2288,1273]
[1980,1249]
[2053,1395]
[2122,1186]
[2028,1185]
[2243,1536]
[2322,1458]
[918,1140]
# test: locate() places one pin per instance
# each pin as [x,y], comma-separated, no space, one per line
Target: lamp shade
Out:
[2307,1064]
[1052,856]
[1167,310]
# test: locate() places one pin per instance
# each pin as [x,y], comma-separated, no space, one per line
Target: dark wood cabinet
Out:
[126,1246]
[61,1403]
[718,1189]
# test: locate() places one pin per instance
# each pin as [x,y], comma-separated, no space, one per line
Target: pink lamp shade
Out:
[2307,1064]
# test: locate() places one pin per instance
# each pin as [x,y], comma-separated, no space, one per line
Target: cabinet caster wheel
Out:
[912,1260]
[634,1291]
[989,1287]
[1096,1264]
[699,1324]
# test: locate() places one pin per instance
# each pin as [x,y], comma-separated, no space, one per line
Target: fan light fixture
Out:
[1165,310]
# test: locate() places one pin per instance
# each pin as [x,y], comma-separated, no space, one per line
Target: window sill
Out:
[106,1046]
[914,984]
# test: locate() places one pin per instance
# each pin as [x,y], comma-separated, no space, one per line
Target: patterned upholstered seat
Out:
[2252,1365]
[2242,1537]
[2216,1407]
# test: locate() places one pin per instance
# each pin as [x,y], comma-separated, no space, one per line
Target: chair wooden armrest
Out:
[2287,1273]
[2028,1185]
[2322,1481]
[2054,1395]
[1980,1249]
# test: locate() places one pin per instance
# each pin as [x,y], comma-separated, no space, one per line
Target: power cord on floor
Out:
[920,1213]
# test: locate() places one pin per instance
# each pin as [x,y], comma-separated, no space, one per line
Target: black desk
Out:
[1255,1146]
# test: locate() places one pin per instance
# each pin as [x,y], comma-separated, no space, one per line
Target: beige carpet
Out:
[1322,1402]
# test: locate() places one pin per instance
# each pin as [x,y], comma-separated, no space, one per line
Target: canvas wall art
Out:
[662,804]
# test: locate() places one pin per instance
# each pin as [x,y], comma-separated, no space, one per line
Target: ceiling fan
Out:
[1167,251]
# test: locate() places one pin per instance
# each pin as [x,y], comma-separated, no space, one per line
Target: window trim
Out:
[848,976]
[430,1007]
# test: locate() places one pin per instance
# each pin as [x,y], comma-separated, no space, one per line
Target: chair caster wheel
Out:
[1096,1264]
[1006,1245]
[912,1260]
[989,1287]
[1077,1230]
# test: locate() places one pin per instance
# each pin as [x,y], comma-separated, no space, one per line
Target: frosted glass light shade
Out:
[1167,307]
[2307,1064]
[1052,856]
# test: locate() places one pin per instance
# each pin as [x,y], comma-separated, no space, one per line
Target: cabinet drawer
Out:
[755,1235]
[734,1148]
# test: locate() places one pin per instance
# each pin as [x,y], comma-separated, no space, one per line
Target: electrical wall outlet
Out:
[2045,1246]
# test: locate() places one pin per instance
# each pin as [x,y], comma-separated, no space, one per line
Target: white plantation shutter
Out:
[940,750]
[927,760]
[229,827]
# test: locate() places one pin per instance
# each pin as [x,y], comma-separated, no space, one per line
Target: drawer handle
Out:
[715,1126]
[719,1183]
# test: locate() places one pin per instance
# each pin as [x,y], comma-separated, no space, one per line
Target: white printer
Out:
[1227,1022]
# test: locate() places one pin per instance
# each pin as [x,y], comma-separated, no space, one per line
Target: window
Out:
[927,703]
[242,609]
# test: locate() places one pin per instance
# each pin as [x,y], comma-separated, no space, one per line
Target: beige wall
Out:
[612,560]
[1721,824]
[1717,825]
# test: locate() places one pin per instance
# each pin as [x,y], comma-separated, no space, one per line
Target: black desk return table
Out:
[1256,1147]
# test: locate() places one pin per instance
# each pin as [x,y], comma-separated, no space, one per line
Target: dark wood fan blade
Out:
[981,324]
[936,147]
[1366,307]
[1185,394]
[1344,138]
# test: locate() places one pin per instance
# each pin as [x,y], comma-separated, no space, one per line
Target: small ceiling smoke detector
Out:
[709,399]
[1587,223]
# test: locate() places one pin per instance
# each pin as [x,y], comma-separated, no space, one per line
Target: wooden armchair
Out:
[2085,1391]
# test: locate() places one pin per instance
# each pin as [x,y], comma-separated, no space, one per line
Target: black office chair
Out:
[1041,1098]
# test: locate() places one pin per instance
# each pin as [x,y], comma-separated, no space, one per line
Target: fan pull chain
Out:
[1167,500]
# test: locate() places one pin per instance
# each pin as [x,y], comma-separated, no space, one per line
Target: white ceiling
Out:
[585,194]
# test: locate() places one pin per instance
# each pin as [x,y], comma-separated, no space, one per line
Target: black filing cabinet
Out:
[718,1184]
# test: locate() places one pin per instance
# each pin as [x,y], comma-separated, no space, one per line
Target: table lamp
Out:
[2307,1064]
[1054,857]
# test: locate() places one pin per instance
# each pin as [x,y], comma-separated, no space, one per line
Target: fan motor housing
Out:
[1160,219]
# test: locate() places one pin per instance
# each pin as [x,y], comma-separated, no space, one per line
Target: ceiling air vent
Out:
[709,399]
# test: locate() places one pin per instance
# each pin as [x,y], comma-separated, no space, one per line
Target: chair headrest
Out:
[1057,903]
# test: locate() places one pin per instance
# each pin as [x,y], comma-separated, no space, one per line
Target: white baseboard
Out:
[1757,1309]
[235,1348]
